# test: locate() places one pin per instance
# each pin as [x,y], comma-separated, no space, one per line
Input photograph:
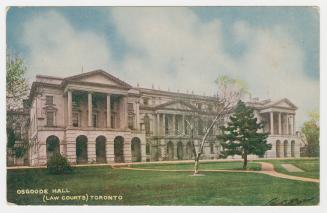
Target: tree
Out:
[230,91]
[16,84]
[311,131]
[241,136]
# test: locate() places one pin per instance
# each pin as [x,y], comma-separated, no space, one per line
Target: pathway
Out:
[266,168]
[291,168]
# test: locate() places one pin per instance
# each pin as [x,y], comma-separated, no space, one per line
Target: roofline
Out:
[48,76]
[99,71]
[155,91]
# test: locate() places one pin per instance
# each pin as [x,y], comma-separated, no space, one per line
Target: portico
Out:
[170,123]
[96,110]
[279,122]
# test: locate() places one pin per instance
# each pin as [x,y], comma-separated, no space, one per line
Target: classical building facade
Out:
[95,117]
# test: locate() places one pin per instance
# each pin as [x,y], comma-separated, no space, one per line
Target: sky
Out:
[275,50]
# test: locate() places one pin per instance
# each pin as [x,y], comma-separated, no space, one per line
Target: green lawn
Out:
[163,188]
[205,165]
[309,166]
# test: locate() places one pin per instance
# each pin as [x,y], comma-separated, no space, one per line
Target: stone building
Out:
[95,117]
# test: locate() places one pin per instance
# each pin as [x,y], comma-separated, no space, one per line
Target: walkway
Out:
[266,168]
[291,168]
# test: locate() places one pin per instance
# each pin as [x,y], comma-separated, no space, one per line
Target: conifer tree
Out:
[241,136]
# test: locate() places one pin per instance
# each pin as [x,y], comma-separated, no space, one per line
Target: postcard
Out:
[163,106]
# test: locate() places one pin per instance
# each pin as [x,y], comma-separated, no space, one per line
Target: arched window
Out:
[81,149]
[170,150]
[119,149]
[53,146]
[136,150]
[189,151]
[100,149]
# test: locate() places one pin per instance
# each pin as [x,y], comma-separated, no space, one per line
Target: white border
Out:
[323,106]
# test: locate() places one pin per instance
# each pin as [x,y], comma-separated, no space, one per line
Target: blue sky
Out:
[274,49]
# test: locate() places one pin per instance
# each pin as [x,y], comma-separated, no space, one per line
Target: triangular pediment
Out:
[100,77]
[176,105]
[284,103]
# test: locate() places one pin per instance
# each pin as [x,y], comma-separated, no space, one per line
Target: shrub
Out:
[58,164]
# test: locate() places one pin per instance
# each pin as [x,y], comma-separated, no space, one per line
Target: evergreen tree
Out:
[241,136]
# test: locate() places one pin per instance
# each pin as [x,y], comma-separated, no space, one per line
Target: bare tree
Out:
[16,84]
[229,92]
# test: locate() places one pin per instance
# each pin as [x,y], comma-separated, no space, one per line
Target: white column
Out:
[69,108]
[89,109]
[287,125]
[137,115]
[163,124]
[280,123]
[174,123]
[294,130]
[158,124]
[271,123]
[183,124]
[125,118]
[108,112]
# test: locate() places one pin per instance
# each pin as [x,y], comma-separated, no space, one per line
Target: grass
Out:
[204,165]
[310,167]
[163,188]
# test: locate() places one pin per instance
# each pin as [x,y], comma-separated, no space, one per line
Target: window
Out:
[94,120]
[18,133]
[166,125]
[199,106]
[50,118]
[185,127]
[200,127]
[75,119]
[176,126]
[130,107]
[49,100]
[146,101]
[76,101]
[147,124]
[94,102]
[131,122]
[112,120]
[147,149]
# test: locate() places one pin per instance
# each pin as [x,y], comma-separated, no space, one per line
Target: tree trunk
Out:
[196,165]
[245,163]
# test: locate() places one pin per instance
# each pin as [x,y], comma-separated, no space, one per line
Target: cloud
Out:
[171,47]
[178,51]
[273,65]
[56,48]
[175,49]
